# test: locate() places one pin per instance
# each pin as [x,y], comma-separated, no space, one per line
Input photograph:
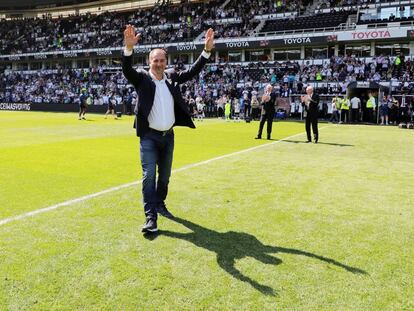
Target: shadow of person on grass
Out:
[230,246]
[319,143]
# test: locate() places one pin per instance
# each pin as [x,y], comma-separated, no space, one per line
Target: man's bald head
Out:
[309,90]
[269,88]
[157,52]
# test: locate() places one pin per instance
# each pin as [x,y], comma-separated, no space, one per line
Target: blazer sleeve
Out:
[133,76]
[195,69]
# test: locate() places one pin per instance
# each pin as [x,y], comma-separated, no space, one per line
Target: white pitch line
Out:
[94,195]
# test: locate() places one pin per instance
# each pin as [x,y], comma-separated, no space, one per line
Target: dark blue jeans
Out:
[156,152]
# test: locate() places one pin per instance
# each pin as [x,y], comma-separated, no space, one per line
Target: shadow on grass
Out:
[230,246]
[268,139]
[319,143]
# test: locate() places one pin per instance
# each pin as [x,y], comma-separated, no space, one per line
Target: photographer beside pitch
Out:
[160,108]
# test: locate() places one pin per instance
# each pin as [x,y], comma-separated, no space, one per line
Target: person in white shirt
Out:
[105,99]
[111,107]
[160,108]
[355,109]
[334,107]
[246,102]
[200,108]
[236,109]
[255,105]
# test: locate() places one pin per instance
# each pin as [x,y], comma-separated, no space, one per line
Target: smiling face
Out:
[158,62]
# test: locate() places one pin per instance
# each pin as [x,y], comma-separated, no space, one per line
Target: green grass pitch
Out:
[261,225]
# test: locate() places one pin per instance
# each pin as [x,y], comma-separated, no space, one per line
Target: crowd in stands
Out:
[58,86]
[218,85]
[353,3]
[167,23]
[338,70]
[163,23]
[215,81]
[261,7]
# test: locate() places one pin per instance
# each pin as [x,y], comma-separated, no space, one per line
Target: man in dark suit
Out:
[268,111]
[160,108]
[311,104]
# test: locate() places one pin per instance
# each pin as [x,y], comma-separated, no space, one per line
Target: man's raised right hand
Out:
[130,37]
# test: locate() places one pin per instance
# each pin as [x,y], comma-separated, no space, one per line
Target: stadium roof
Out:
[33,4]
[7,5]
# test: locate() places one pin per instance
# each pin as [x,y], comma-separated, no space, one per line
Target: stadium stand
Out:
[288,43]
[160,24]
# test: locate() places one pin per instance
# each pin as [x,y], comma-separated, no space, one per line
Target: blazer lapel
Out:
[172,90]
[170,87]
[147,108]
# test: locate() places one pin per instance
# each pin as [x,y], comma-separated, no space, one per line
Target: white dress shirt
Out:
[162,116]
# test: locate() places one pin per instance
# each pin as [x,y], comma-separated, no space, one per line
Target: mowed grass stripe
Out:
[117,188]
[36,173]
